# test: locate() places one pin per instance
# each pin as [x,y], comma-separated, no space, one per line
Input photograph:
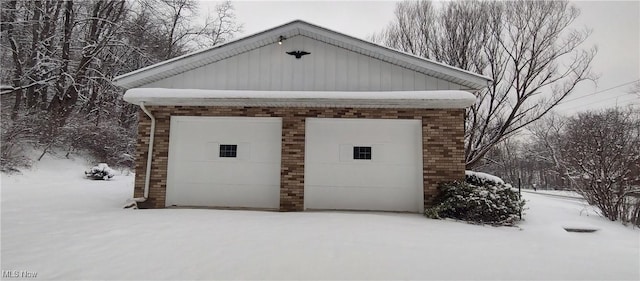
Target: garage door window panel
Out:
[362,152]
[229,150]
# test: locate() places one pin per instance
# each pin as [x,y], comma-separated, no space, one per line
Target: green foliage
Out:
[483,204]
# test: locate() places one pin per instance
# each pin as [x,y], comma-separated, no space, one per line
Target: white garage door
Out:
[363,164]
[224,162]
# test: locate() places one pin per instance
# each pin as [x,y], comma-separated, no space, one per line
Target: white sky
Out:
[615,25]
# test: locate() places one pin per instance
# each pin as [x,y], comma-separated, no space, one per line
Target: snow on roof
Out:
[397,99]
[196,59]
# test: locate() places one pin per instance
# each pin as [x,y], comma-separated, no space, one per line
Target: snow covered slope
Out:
[62,226]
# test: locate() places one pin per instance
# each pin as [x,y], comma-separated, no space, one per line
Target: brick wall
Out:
[442,135]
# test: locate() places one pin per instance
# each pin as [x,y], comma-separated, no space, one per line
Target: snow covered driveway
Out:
[62,226]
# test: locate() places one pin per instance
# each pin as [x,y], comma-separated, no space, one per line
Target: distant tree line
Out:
[59,58]
[595,153]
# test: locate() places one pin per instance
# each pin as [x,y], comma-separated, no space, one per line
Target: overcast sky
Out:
[615,25]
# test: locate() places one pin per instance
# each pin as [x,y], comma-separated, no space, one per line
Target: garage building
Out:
[298,117]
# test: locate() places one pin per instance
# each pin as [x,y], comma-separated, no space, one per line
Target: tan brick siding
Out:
[442,135]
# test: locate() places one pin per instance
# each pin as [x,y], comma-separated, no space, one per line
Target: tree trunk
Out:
[65,97]
[32,92]
[15,55]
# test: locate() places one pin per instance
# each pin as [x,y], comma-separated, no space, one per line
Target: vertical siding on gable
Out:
[254,68]
[320,74]
[309,69]
[375,77]
[340,70]
[364,74]
[443,85]
[432,83]
[264,67]
[352,70]
[276,66]
[293,65]
[232,73]
[327,68]
[385,75]
[242,78]
[330,69]
[407,79]
[396,77]
[219,70]
[189,80]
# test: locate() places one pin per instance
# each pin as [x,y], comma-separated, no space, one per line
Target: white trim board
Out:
[393,99]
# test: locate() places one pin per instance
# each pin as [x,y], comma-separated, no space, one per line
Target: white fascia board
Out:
[395,99]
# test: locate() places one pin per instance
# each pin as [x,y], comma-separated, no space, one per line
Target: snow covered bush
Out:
[12,157]
[487,203]
[601,152]
[478,178]
[100,172]
[14,142]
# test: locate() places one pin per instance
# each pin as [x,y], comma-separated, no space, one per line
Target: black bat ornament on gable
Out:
[298,54]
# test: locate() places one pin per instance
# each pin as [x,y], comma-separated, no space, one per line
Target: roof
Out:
[390,99]
[200,58]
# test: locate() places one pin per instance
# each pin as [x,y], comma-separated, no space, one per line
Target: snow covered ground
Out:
[61,226]
[556,192]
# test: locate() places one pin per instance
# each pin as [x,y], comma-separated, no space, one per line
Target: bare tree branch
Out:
[522,45]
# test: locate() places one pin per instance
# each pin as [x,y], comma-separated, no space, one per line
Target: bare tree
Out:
[221,27]
[596,154]
[602,152]
[529,160]
[10,16]
[507,160]
[58,59]
[544,148]
[412,30]
[527,47]
[179,31]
